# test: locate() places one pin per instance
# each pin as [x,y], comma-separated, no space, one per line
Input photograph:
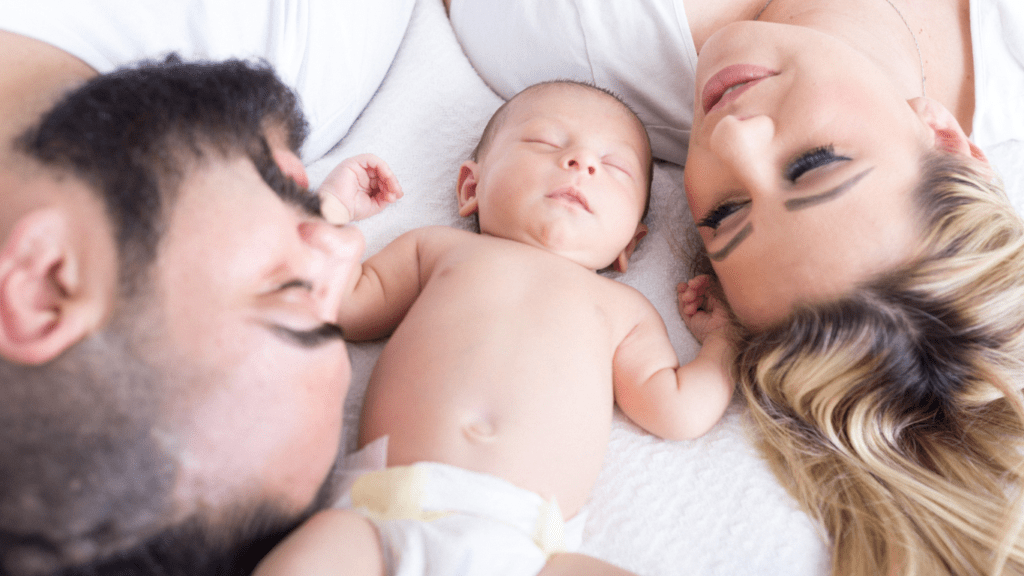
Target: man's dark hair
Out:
[85,485]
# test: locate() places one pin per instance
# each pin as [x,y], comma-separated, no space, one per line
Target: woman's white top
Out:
[643,51]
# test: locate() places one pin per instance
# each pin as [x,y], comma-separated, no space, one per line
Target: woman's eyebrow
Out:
[808,201]
[793,204]
[739,237]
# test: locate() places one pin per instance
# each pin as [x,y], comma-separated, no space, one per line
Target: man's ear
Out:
[622,262]
[45,306]
[466,188]
[948,135]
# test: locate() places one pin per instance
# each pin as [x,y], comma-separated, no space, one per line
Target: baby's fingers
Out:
[382,179]
[689,300]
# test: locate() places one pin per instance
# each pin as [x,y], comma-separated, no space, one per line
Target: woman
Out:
[873,264]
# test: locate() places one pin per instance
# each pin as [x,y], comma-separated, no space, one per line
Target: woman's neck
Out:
[900,36]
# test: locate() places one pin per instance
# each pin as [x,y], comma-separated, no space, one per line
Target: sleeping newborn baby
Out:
[495,391]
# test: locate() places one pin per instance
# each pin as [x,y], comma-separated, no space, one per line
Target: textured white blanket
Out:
[703,507]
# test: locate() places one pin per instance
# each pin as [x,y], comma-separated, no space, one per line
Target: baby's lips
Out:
[334,210]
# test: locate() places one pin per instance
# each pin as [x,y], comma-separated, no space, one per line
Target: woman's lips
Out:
[732,76]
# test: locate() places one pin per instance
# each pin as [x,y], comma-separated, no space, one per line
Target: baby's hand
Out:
[701,311]
[358,187]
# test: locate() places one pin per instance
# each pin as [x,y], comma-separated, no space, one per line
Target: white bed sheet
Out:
[703,507]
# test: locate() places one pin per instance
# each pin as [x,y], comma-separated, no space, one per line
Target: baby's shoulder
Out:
[624,300]
[438,237]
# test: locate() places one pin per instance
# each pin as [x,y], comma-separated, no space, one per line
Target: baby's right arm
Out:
[378,294]
[357,188]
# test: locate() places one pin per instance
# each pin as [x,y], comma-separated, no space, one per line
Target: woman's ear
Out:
[622,262]
[466,188]
[948,135]
[46,305]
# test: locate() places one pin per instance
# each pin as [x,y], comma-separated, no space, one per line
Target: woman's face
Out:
[802,161]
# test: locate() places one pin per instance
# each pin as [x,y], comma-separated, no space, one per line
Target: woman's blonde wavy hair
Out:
[895,415]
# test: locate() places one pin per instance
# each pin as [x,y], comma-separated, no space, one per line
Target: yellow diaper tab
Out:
[394,493]
[430,491]
[550,531]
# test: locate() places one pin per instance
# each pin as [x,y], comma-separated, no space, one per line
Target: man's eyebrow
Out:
[808,201]
[297,196]
[289,191]
[728,248]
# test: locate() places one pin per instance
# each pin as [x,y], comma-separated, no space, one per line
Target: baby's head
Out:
[565,167]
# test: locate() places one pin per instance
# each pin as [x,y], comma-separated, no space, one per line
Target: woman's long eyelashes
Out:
[714,218]
[810,160]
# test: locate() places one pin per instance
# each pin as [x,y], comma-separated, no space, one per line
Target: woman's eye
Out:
[714,218]
[811,160]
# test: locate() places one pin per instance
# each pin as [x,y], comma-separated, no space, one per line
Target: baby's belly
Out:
[541,426]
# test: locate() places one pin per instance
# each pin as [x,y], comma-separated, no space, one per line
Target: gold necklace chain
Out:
[917,45]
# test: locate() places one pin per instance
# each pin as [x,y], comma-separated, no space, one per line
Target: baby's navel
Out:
[480,429]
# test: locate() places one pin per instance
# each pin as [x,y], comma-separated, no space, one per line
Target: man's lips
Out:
[739,76]
[571,195]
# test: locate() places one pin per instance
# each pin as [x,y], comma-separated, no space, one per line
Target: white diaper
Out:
[440,519]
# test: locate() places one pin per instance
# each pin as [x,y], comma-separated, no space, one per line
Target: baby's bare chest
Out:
[516,308]
[525,286]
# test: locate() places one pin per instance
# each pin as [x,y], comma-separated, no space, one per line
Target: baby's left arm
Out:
[673,401]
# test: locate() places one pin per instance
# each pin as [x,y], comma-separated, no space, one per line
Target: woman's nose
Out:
[745,146]
[337,252]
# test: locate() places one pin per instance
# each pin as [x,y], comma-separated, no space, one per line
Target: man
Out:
[172,377]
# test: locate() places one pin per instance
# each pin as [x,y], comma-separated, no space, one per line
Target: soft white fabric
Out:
[640,49]
[698,508]
[436,519]
[333,53]
[643,50]
[997,35]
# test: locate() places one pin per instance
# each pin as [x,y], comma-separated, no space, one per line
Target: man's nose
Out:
[337,253]
[745,146]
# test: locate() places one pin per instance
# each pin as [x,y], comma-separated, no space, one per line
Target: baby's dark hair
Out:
[500,115]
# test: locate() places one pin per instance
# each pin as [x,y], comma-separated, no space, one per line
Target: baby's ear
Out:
[948,135]
[466,188]
[622,262]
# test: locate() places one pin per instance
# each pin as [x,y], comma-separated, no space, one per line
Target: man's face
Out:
[248,288]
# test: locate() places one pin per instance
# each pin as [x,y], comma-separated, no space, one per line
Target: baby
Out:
[508,351]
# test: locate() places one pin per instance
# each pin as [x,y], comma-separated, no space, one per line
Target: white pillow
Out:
[333,53]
